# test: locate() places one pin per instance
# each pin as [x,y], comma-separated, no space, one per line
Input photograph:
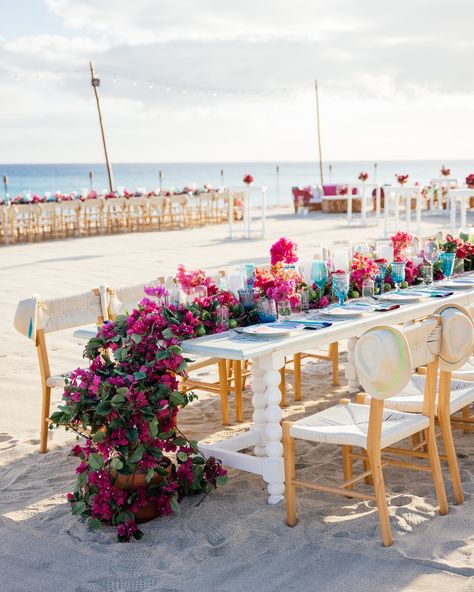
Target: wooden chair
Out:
[116,214]
[93,221]
[454,396]
[178,215]
[157,206]
[137,213]
[22,222]
[373,428]
[34,318]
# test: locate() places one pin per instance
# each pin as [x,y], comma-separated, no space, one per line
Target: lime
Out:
[232,323]
[201,331]
[404,285]
[354,294]
[387,287]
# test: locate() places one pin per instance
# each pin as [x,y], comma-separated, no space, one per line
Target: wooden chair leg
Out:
[380,496]
[244,378]
[289,460]
[366,464]
[437,473]
[347,463]
[238,390]
[334,355]
[415,439]
[297,375]
[224,388]
[45,408]
[283,386]
[444,419]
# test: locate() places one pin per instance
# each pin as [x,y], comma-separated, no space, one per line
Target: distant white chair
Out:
[35,317]
[461,197]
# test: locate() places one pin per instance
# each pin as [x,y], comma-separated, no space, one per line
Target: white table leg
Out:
[386,208]
[349,207]
[408,210]
[464,212]
[418,213]
[259,404]
[452,214]
[378,198]
[351,373]
[273,472]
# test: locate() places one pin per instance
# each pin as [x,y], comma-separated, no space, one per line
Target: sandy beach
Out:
[233,541]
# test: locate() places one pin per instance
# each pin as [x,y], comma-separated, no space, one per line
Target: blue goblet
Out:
[398,274]
[380,277]
[340,286]
[447,264]
[319,275]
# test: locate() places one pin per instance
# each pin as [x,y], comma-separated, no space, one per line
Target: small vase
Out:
[137,480]
[458,266]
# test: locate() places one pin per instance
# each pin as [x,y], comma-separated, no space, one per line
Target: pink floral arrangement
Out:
[362,268]
[284,251]
[470,180]
[363,176]
[445,172]
[402,179]
[344,190]
[189,279]
[248,179]
[401,241]
[280,283]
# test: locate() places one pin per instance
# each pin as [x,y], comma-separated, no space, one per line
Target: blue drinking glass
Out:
[398,273]
[380,277]
[266,311]
[249,274]
[340,286]
[447,263]
[319,275]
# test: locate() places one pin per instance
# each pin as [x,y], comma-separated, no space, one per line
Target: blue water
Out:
[40,178]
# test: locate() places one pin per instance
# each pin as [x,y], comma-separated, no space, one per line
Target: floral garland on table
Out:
[362,268]
[128,400]
[401,241]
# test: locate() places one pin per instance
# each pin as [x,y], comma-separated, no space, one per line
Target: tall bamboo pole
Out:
[319,133]
[95,84]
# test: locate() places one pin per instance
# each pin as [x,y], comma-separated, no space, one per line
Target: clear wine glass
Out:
[319,275]
[340,286]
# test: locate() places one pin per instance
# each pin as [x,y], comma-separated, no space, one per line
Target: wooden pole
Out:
[319,133]
[161,182]
[5,186]
[95,84]
[91,180]
[375,172]
[278,183]
[222,177]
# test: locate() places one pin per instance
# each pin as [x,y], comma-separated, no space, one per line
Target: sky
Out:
[215,81]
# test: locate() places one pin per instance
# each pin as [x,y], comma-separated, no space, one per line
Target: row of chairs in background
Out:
[35,318]
[45,221]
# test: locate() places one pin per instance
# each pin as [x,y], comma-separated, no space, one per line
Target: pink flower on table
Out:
[362,268]
[248,179]
[284,251]
[401,241]
[363,176]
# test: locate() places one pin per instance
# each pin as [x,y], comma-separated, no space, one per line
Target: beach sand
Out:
[232,541]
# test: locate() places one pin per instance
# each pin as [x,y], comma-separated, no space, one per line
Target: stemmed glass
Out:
[319,275]
[398,273]
[447,264]
[249,274]
[340,286]
[380,277]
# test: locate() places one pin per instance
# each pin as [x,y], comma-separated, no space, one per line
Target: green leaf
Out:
[98,437]
[177,398]
[198,460]
[182,456]
[167,333]
[166,435]
[153,427]
[94,523]
[116,464]
[175,505]
[103,408]
[136,338]
[78,508]
[222,479]
[125,517]
[162,354]
[150,474]
[137,454]
[123,390]
[117,399]
[139,375]
[95,461]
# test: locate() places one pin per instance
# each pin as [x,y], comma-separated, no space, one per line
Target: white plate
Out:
[458,285]
[400,297]
[345,311]
[272,329]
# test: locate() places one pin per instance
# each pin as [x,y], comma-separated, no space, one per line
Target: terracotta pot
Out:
[135,481]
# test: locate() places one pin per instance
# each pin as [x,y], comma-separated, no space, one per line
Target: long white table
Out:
[268,357]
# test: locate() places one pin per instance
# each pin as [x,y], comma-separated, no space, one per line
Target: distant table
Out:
[248,194]
[268,357]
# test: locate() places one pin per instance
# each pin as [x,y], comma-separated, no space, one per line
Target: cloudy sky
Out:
[214,80]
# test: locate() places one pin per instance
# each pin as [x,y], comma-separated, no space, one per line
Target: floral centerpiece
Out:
[470,181]
[128,400]
[445,172]
[362,268]
[248,179]
[363,176]
[402,179]
[401,241]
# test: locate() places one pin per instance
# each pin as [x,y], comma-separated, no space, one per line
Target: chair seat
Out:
[410,400]
[466,372]
[348,424]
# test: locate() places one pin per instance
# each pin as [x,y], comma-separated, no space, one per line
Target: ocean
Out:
[41,178]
